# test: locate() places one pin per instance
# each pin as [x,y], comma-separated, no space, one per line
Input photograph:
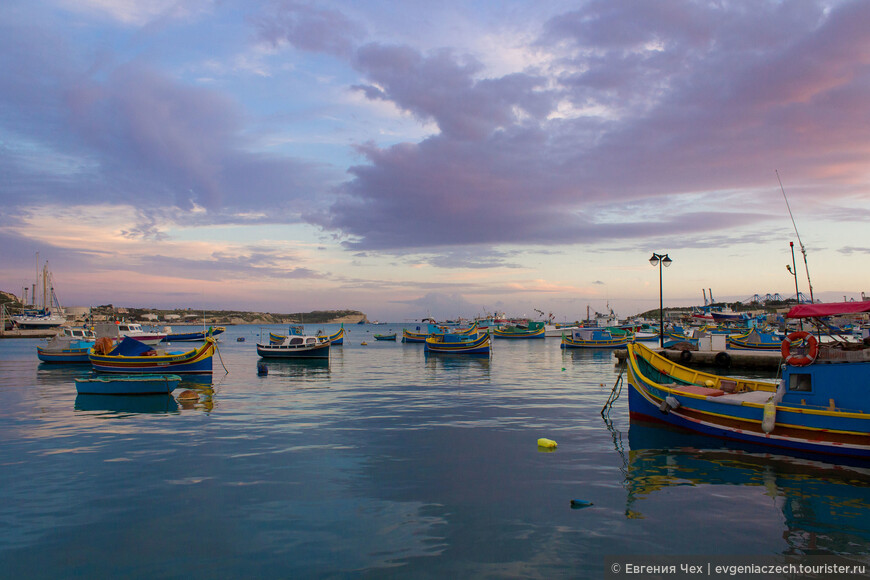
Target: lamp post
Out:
[661,260]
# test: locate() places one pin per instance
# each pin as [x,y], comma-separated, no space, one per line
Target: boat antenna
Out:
[803,249]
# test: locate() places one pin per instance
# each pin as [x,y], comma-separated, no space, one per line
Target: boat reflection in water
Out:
[307,369]
[825,507]
[126,404]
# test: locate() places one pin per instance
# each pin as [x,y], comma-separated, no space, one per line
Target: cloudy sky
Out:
[445,158]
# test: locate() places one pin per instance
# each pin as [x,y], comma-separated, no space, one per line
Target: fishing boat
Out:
[71,345]
[755,340]
[120,329]
[132,356]
[819,406]
[420,335]
[454,343]
[191,336]
[143,384]
[337,339]
[595,338]
[296,346]
[528,330]
[292,330]
[385,336]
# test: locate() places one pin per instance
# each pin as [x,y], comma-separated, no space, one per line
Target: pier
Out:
[736,359]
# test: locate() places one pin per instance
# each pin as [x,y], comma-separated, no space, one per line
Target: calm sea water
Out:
[385,462]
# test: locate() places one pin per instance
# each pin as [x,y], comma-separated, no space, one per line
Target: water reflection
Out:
[301,369]
[825,506]
[126,404]
[458,362]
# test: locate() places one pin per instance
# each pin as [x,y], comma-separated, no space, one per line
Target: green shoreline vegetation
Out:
[190,316]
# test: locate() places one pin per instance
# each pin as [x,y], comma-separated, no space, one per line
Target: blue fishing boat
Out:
[132,356]
[595,338]
[142,384]
[755,340]
[820,405]
[453,343]
[296,346]
[70,346]
[193,336]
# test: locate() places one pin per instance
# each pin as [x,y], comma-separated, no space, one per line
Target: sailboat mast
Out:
[803,249]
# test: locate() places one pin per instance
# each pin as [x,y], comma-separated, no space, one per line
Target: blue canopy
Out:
[130,347]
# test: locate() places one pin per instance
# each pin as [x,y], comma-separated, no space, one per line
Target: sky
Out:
[419,158]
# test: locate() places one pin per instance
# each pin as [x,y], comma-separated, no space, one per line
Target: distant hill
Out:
[191,316]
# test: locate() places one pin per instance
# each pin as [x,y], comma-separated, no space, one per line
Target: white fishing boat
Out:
[117,330]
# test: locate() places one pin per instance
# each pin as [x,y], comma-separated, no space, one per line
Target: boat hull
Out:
[478,346]
[318,351]
[538,333]
[73,355]
[145,384]
[572,342]
[197,361]
[192,336]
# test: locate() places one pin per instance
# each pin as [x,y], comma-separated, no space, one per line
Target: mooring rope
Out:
[614,394]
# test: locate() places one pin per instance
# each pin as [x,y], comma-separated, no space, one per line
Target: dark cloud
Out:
[443,87]
[689,97]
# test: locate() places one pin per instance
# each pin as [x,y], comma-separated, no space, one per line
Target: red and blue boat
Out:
[820,405]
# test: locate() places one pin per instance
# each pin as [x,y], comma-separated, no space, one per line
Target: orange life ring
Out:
[803,359]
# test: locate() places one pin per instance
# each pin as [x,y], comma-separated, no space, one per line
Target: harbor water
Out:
[386,463]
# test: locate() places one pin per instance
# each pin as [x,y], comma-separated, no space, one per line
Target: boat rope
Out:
[614,394]
[220,358]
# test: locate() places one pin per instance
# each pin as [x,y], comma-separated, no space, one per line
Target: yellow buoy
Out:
[546,443]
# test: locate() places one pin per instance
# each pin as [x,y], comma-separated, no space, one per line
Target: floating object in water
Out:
[546,443]
[240,339]
[188,395]
[563,368]
[580,503]
[363,343]
[262,369]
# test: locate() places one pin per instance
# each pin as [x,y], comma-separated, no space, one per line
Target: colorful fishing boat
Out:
[143,384]
[595,338]
[421,334]
[293,330]
[385,336]
[528,330]
[71,345]
[337,339]
[131,356]
[755,340]
[820,405]
[191,336]
[296,346]
[455,343]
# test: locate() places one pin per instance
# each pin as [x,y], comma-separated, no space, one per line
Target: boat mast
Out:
[35,283]
[803,249]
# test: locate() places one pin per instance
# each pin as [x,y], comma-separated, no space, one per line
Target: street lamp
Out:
[661,260]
